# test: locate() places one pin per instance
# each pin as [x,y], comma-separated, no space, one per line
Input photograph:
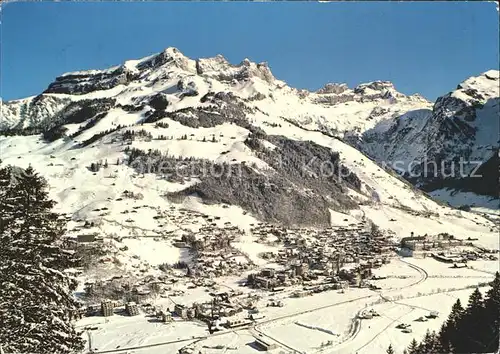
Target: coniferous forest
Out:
[470,329]
[36,302]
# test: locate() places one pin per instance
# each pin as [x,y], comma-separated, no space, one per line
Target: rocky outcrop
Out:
[219,68]
[79,112]
[78,84]
[204,93]
[332,88]
[31,112]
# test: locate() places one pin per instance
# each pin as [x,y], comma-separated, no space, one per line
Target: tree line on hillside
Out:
[473,329]
[36,302]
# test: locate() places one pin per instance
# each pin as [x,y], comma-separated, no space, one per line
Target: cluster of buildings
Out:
[340,254]
[222,304]
[351,243]
[428,243]
[445,248]
[311,260]
[107,308]
[213,254]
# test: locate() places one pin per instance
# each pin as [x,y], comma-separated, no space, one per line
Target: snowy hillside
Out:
[277,151]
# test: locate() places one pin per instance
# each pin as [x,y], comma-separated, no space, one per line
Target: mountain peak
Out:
[220,68]
[375,86]
[172,51]
[246,62]
[478,88]
[332,87]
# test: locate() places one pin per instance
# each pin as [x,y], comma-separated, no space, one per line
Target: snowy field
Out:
[129,332]
[332,324]
[382,332]
[397,275]
[156,252]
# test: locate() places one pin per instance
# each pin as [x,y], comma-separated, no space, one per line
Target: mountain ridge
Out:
[77,83]
[290,145]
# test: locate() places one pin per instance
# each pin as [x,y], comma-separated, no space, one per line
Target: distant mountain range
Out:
[300,156]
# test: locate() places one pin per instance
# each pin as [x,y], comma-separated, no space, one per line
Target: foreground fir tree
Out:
[36,305]
[471,336]
[413,348]
[430,344]
[492,309]
[448,334]
[390,350]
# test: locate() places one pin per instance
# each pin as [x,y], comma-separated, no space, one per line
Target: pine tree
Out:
[444,342]
[430,343]
[492,318]
[390,350]
[413,348]
[23,112]
[423,347]
[471,328]
[448,335]
[36,305]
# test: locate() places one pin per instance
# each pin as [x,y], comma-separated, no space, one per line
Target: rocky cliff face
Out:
[444,146]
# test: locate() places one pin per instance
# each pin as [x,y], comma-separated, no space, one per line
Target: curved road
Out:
[357,321]
[422,271]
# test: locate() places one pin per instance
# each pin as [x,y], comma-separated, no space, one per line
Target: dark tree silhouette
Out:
[36,306]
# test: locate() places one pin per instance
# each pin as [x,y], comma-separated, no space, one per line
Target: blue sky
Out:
[422,47]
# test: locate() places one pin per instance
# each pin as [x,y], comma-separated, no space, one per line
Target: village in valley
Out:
[245,290]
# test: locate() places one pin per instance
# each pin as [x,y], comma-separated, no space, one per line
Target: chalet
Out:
[132,309]
[442,258]
[414,243]
[181,244]
[265,344]
[166,316]
[86,238]
[107,308]
[268,272]
[278,288]
[140,294]
[181,311]
[238,323]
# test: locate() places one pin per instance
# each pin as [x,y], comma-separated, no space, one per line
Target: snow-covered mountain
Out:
[462,126]
[335,108]
[167,131]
